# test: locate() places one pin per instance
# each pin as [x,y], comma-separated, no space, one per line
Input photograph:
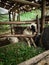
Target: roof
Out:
[26,5]
[17,4]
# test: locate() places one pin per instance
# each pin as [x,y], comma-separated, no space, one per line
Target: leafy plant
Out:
[14,54]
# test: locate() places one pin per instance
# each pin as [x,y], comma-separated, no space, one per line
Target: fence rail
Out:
[17,35]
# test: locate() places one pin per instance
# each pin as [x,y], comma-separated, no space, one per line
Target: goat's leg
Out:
[28,41]
[33,43]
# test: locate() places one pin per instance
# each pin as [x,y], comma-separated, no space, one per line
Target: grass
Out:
[14,54]
[4,28]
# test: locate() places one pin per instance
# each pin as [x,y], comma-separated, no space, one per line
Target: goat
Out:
[30,30]
[13,39]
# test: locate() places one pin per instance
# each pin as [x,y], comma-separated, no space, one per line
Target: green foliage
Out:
[23,16]
[4,28]
[14,54]
[30,15]
[4,18]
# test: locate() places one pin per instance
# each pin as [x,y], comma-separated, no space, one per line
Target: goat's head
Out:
[33,27]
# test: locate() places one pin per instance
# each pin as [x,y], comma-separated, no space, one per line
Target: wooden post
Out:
[18,17]
[43,14]
[10,20]
[38,25]
[9,16]
[13,16]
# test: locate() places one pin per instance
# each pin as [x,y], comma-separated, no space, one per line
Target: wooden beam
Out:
[36,59]
[22,22]
[26,3]
[17,35]
[9,23]
[43,14]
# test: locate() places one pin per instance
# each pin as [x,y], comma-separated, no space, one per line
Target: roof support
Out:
[38,25]
[10,21]
[18,16]
[43,9]
[20,2]
[13,15]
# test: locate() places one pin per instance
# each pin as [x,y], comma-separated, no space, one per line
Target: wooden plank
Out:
[19,23]
[17,35]
[35,59]
[9,23]
[22,22]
